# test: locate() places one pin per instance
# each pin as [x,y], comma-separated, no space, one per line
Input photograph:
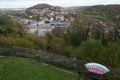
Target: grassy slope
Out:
[23,69]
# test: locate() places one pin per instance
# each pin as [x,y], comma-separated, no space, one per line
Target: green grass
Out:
[24,69]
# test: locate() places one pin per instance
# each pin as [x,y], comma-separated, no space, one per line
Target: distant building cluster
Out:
[48,20]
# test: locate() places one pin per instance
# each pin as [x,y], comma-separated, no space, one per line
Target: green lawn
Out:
[24,69]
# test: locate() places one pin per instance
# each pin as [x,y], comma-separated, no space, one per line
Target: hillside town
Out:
[48,20]
[40,21]
[71,43]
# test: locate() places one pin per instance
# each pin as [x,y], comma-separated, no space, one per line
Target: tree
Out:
[58,31]
[112,54]
[90,50]
[55,44]
[8,26]
[77,33]
[37,41]
[93,51]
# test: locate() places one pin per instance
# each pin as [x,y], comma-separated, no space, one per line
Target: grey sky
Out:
[63,3]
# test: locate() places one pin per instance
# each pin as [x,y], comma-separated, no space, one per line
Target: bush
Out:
[112,54]
[8,26]
[37,41]
[37,57]
[20,42]
[90,50]
[6,41]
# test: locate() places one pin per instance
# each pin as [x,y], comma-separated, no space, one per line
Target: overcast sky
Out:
[63,3]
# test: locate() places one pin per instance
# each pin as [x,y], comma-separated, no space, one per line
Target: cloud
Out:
[64,3]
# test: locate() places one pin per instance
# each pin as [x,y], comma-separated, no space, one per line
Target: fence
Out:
[56,60]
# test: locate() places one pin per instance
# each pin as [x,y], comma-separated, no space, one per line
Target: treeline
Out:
[93,44]
[105,12]
[78,41]
[12,34]
[108,11]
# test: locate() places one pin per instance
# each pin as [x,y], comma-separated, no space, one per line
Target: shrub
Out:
[37,57]
[7,41]
[20,42]
[90,50]
[37,41]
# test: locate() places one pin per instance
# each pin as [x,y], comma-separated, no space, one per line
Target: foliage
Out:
[112,51]
[80,40]
[67,50]
[76,34]
[93,51]
[6,41]
[54,44]
[107,13]
[91,48]
[37,57]
[58,31]
[39,42]
[20,42]
[8,26]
